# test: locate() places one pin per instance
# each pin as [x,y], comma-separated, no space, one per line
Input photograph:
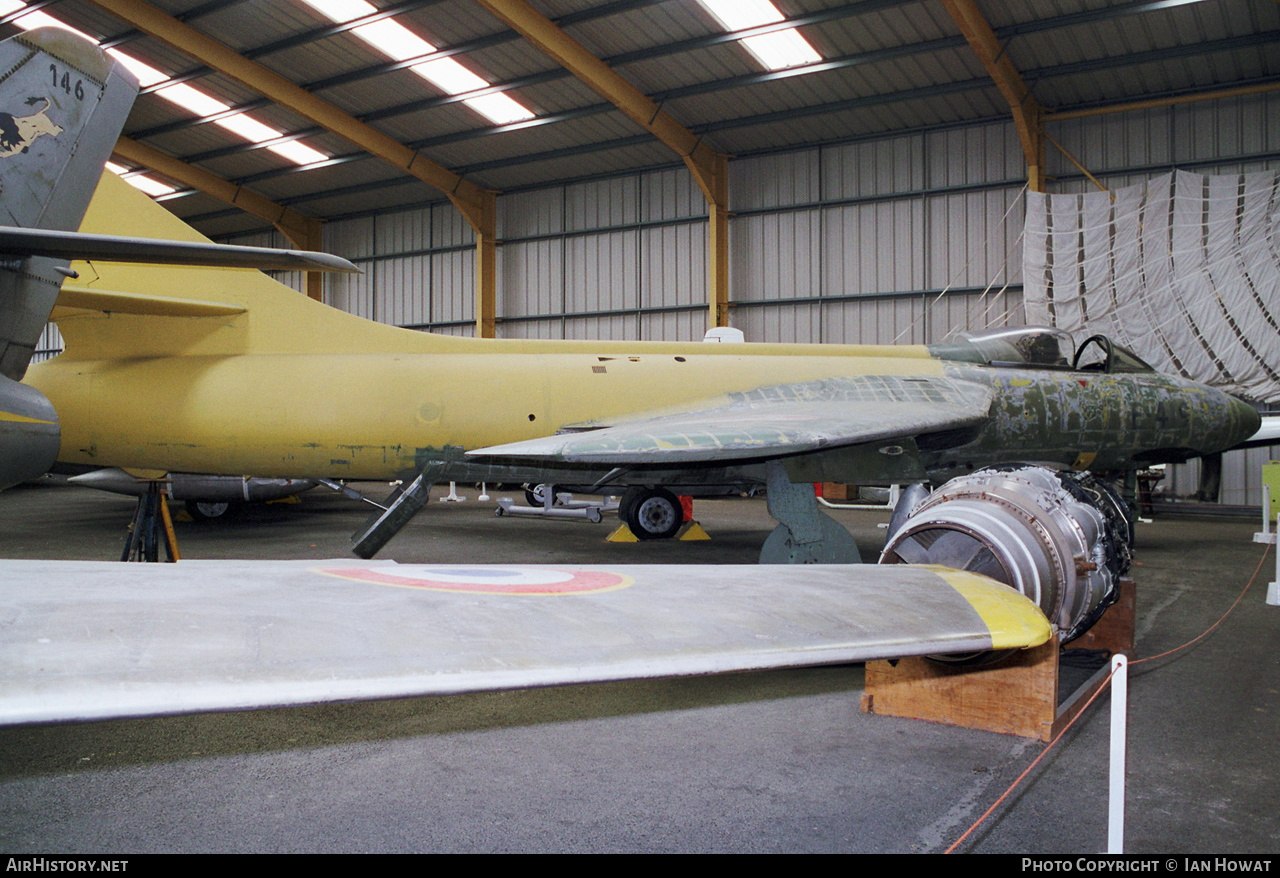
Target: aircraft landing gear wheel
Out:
[626,501]
[536,495]
[654,514]
[206,511]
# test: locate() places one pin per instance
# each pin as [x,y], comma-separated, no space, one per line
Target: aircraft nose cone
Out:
[1245,421]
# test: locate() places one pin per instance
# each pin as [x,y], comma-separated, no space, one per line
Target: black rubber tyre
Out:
[534,495]
[202,511]
[626,501]
[655,514]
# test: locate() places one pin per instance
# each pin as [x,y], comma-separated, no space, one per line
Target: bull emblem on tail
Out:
[17,133]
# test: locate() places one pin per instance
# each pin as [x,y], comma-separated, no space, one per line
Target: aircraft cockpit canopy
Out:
[1025,346]
[1041,347]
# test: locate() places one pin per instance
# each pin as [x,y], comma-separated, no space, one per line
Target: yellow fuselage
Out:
[368,415]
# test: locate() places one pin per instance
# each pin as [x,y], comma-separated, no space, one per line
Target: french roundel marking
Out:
[486,580]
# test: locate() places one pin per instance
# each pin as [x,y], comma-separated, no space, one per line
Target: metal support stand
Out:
[804,535]
[151,525]
[895,491]
[588,510]
[349,492]
[452,496]
[402,505]
[1130,494]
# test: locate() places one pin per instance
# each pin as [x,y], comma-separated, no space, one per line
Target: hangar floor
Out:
[760,762]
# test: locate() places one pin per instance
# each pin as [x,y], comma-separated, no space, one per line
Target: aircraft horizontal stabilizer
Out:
[141,303]
[21,243]
[225,635]
[772,421]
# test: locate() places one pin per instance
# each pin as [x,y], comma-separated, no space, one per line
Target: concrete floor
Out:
[772,761]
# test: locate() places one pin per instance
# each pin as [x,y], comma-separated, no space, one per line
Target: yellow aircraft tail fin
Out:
[120,310]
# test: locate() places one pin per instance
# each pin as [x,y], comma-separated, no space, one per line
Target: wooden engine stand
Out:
[1021,695]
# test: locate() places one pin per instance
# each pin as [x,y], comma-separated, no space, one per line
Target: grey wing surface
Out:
[785,420]
[94,640]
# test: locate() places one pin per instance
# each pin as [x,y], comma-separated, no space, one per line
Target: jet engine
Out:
[1063,539]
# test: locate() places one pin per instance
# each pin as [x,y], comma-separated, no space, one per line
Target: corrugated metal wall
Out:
[898,239]
[847,243]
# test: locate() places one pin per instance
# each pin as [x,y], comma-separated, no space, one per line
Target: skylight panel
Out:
[781,49]
[298,153]
[399,43]
[190,99]
[146,74]
[499,107]
[393,39]
[341,11]
[742,14]
[240,124]
[194,100]
[450,76]
[776,50]
[33,20]
[154,188]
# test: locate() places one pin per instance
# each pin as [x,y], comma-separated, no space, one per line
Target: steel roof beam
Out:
[783,115]
[302,39]
[710,169]
[302,230]
[1006,33]
[1028,115]
[1166,101]
[873,56]
[477,205]
[546,76]
[484,42]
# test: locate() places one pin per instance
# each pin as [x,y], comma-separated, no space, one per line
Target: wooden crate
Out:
[1021,695]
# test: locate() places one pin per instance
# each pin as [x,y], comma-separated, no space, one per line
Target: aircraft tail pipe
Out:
[1063,539]
[198,487]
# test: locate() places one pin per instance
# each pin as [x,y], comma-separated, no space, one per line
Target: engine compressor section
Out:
[1063,539]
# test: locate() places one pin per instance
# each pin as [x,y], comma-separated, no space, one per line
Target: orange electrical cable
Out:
[1105,684]
[1214,626]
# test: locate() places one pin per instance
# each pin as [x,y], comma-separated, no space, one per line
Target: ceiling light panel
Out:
[182,95]
[398,43]
[137,180]
[777,50]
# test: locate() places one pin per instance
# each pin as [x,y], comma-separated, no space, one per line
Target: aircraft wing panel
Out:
[23,242]
[770,422]
[96,640]
[137,303]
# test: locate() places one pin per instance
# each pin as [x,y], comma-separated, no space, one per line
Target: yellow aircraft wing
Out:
[93,640]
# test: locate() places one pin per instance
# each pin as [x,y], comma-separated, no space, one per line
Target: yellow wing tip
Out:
[1015,622]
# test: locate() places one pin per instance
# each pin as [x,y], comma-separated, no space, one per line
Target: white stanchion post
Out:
[1119,712]
[1273,588]
[1266,511]
[452,496]
[484,493]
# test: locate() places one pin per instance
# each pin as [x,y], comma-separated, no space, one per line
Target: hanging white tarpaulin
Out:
[1184,269]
